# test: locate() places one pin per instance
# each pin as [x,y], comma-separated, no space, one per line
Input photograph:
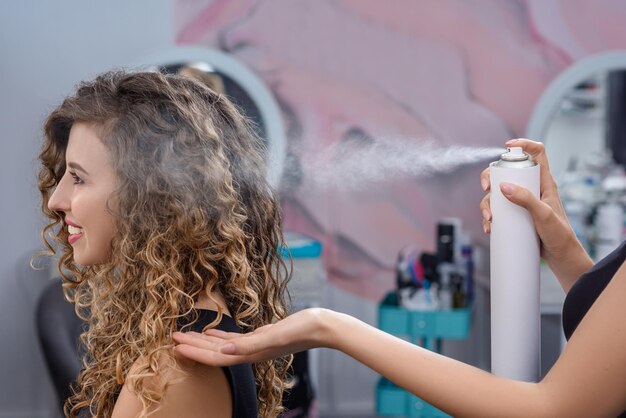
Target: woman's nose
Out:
[59,201]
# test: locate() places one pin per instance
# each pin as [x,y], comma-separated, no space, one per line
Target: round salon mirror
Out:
[241,85]
[581,116]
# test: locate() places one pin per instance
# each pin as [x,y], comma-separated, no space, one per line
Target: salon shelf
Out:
[426,328]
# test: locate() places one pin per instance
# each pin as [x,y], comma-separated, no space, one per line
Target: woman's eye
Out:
[77,180]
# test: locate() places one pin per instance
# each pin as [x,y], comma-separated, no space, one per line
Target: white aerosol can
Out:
[514,257]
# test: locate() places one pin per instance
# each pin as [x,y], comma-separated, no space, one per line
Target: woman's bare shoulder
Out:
[192,391]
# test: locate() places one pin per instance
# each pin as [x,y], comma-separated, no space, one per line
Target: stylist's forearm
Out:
[457,388]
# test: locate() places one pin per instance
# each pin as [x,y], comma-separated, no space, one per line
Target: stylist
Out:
[588,379]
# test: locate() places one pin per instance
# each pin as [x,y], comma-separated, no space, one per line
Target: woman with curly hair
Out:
[156,193]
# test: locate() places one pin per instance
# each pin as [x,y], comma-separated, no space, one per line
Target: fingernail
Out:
[486,214]
[484,184]
[485,228]
[228,349]
[507,188]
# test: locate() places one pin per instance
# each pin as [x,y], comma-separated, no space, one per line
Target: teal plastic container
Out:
[453,324]
[390,399]
[394,401]
[300,246]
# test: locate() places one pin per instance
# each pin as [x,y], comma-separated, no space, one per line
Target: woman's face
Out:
[82,196]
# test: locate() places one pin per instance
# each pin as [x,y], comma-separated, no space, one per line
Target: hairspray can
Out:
[514,258]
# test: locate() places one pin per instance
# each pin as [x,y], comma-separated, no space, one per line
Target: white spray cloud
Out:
[354,165]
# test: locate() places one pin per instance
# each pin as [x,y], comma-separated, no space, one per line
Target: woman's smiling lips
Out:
[74,230]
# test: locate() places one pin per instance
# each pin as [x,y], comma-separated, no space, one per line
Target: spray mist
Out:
[514,257]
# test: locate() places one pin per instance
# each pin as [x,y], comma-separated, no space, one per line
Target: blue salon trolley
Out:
[426,328]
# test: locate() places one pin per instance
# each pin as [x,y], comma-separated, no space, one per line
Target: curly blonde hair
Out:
[193,213]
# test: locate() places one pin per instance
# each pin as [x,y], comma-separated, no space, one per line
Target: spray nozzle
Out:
[515,154]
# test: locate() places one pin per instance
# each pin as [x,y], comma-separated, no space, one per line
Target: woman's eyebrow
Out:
[77,166]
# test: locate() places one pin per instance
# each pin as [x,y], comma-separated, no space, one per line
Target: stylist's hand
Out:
[559,245]
[298,332]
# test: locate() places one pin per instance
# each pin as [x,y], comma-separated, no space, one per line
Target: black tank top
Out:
[587,289]
[240,377]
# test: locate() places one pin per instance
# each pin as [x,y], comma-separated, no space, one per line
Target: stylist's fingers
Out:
[485,209]
[536,149]
[199,340]
[209,357]
[485,204]
[215,351]
[233,343]
[485,181]
[202,348]
[538,152]
[222,334]
[249,344]
[232,335]
[540,211]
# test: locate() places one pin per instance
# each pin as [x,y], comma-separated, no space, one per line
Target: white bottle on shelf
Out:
[609,222]
[445,291]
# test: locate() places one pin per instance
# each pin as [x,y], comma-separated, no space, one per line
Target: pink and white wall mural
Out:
[456,71]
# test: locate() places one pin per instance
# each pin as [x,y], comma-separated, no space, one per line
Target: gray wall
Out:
[45,48]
